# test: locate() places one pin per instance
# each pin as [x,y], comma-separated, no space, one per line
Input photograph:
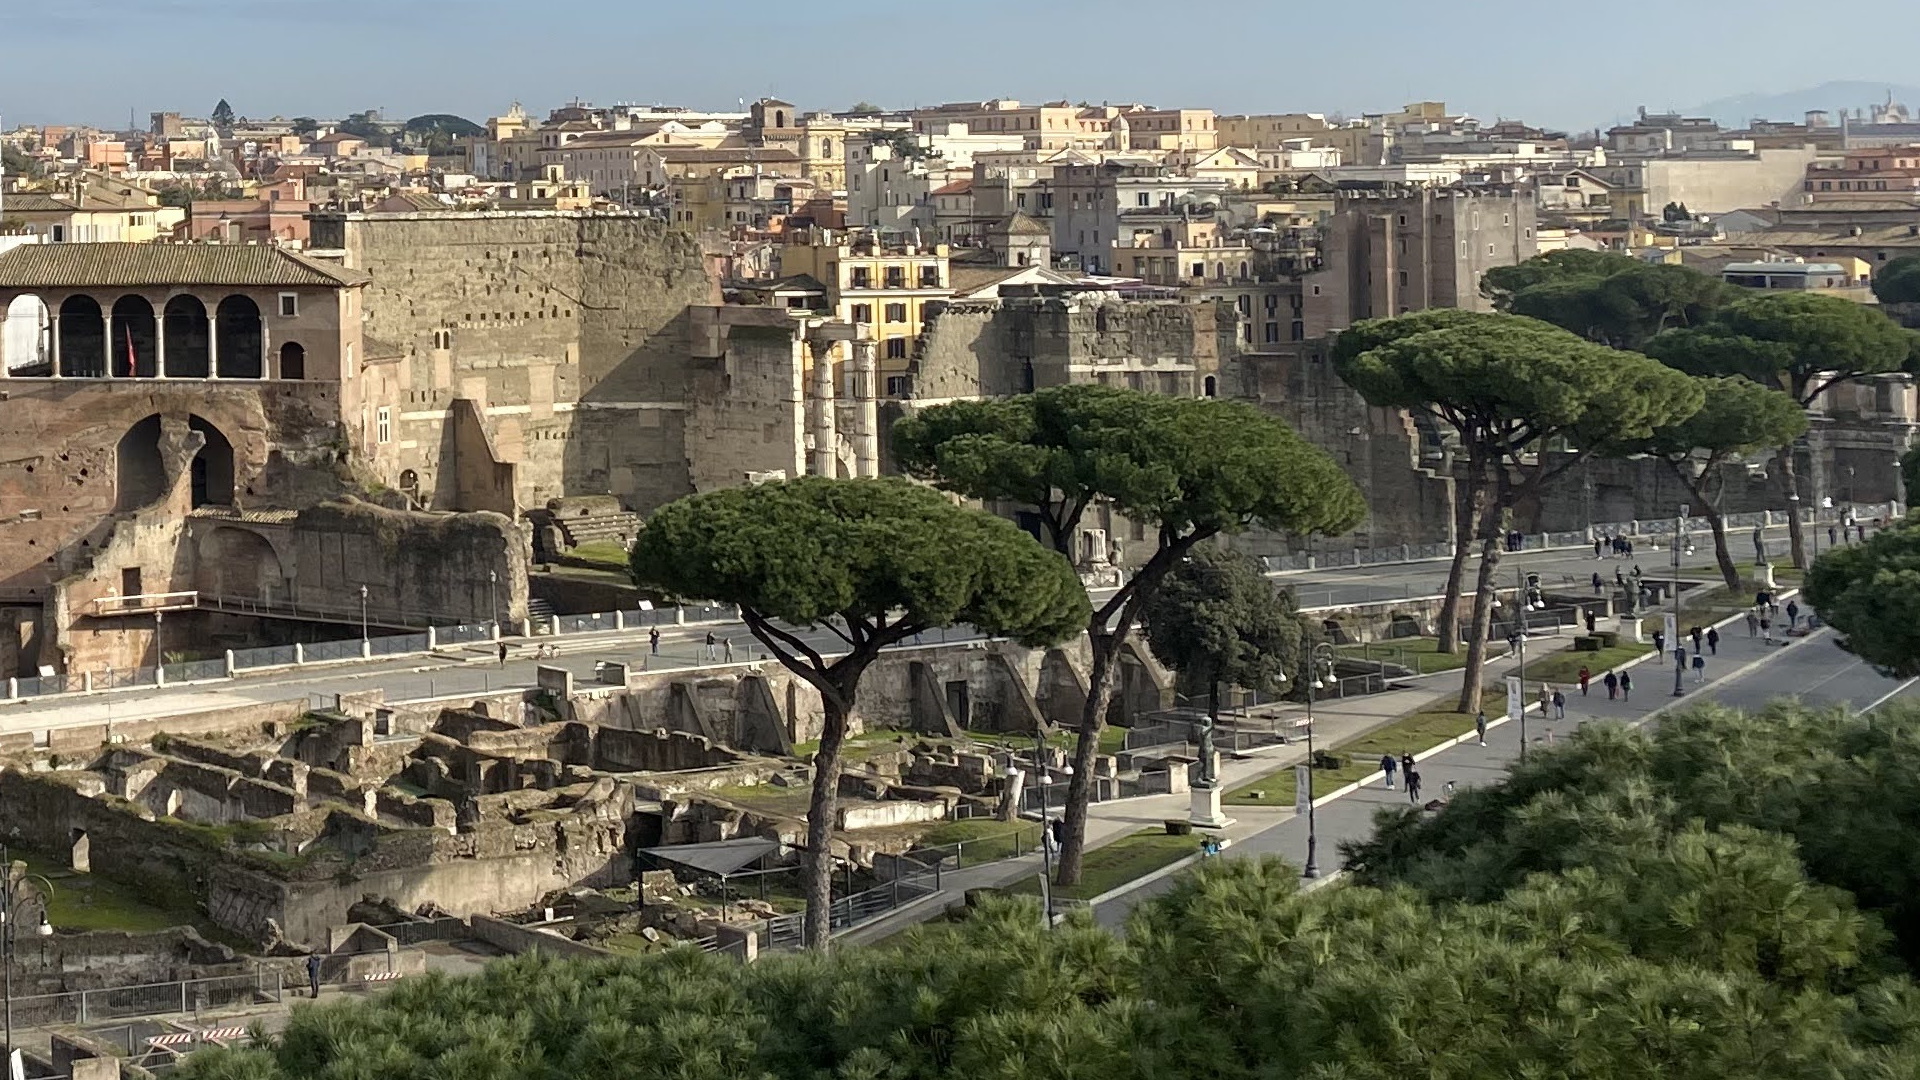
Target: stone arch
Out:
[189,338]
[139,477]
[26,340]
[779,118]
[1210,386]
[83,338]
[293,360]
[135,349]
[237,342]
[232,561]
[212,466]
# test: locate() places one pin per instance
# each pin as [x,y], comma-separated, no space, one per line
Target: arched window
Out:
[83,339]
[135,349]
[293,361]
[212,467]
[26,338]
[189,338]
[237,342]
[139,479]
[1209,387]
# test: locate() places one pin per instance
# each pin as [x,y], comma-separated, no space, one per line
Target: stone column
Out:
[53,341]
[825,437]
[213,346]
[269,364]
[160,345]
[106,321]
[866,410]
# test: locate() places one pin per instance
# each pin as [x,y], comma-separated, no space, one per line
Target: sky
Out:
[1569,66]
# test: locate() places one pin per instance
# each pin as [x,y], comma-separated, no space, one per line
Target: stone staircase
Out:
[566,523]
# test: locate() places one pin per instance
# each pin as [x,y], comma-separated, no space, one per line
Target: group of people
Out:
[719,648]
[1410,776]
[1765,615]
[1620,546]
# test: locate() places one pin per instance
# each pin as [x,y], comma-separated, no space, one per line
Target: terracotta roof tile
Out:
[44,266]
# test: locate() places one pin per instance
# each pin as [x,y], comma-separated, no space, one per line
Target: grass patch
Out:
[609,553]
[1112,865]
[787,801]
[984,839]
[88,902]
[1564,667]
[1113,739]
[861,746]
[1410,734]
[1419,654]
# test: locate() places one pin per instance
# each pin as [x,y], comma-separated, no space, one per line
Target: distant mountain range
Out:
[1832,96]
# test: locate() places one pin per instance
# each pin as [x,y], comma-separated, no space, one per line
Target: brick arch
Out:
[233,560]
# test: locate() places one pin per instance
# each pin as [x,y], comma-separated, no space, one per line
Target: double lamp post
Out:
[20,896]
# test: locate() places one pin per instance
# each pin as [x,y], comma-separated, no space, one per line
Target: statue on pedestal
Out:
[1759,547]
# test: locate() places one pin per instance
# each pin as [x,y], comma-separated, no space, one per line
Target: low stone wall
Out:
[515,939]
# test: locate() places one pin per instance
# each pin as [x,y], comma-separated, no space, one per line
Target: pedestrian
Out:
[1406,766]
[1619,579]
[1753,624]
[1590,620]
[1833,540]
[1480,726]
[1387,765]
[1793,614]
[712,643]
[1546,698]
[1699,668]
[313,972]
[1660,641]
[1766,630]
[653,641]
[1596,547]
[503,654]
[1586,677]
[1597,583]
[727,644]
[1559,705]
[1695,634]
[1626,686]
[1413,787]
[1612,683]
[1713,640]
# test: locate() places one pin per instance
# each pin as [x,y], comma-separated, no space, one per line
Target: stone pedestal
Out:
[1629,629]
[1763,576]
[1205,811]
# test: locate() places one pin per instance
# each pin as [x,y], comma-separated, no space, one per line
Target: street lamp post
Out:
[493,597]
[1525,588]
[13,900]
[1315,658]
[1680,537]
[1045,776]
[363,617]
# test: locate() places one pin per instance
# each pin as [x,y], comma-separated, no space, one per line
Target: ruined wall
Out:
[567,330]
[413,563]
[746,402]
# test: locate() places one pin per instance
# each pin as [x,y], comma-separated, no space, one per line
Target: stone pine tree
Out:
[1871,593]
[1185,469]
[222,118]
[1627,308]
[1736,417]
[1804,344]
[1217,620]
[873,561]
[1512,389]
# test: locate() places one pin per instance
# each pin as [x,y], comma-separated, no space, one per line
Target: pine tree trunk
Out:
[817,860]
[1465,518]
[1796,532]
[1729,573]
[1493,524]
[1093,716]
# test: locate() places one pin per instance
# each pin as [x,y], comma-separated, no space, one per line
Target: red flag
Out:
[130,364]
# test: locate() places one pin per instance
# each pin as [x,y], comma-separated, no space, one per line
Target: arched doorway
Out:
[212,467]
[135,349]
[293,361]
[230,561]
[237,343]
[83,339]
[189,338]
[25,341]
[139,479]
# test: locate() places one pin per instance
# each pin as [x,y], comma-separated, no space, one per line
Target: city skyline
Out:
[472,59]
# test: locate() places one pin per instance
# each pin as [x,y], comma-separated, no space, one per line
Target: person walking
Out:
[1413,787]
[1597,583]
[1626,686]
[1699,668]
[1590,620]
[313,972]
[1586,676]
[727,644]
[1713,640]
[1596,547]
[653,641]
[1480,726]
[1559,705]
[1388,765]
[1406,766]
[1695,635]
[1660,641]
[1793,615]
[1546,698]
[503,654]
[712,643]
[1766,630]
[1833,539]
[1612,683]
[1753,624]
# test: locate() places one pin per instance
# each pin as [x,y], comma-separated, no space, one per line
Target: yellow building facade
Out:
[881,288]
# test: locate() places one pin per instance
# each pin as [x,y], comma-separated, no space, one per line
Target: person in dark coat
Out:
[1626,686]
[1387,765]
[313,972]
[1612,683]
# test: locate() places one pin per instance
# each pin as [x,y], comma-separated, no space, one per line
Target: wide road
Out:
[1746,673]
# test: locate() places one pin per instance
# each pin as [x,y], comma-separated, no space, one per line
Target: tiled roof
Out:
[44,266]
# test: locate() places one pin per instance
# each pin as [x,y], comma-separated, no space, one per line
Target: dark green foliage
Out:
[365,125]
[1871,593]
[1217,619]
[440,133]
[1898,282]
[1502,283]
[1798,342]
[1701,904]
[222,117]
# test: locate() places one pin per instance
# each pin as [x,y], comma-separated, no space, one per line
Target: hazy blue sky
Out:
[93,60]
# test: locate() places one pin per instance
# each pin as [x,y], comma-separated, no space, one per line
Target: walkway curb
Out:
[1144,880]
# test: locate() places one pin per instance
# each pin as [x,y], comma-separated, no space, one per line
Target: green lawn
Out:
[984,839]
[1564,667]
[88,902]
[1410,734]
[866,743]
[1419,653]
[609,553]
[1127,859]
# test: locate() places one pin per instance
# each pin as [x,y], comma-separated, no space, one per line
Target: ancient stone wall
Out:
[412,564]
[746,398]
